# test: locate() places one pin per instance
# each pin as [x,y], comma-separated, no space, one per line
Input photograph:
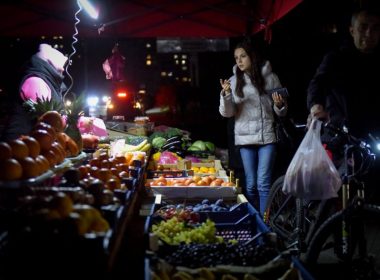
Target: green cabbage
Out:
[200,145]
[158,142]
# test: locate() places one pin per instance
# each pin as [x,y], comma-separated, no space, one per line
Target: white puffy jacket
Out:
[254,119]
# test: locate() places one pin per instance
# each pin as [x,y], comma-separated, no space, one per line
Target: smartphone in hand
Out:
[281,91]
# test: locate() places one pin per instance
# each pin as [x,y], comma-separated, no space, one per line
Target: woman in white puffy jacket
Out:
[245,97]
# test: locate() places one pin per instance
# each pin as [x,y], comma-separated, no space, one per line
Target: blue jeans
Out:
[258,162]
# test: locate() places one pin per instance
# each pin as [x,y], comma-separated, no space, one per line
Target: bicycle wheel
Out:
[281,211]
[361,260]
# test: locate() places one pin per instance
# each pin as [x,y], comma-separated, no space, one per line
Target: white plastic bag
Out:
[311,173]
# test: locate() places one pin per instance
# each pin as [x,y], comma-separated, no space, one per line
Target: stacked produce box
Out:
[200,226]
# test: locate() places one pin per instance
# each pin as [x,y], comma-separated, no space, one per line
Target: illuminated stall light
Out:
[92,101]
[148,62]
[122,94]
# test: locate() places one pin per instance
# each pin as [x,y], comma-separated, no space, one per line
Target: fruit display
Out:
[33,155]
[210,181]
[278,268]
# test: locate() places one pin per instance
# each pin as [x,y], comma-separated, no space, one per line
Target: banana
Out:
[146,147]
[206,274]
[182,275]
[154,276]
[163,275]
[132,148]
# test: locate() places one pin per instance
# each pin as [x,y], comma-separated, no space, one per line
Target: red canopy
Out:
[143,18]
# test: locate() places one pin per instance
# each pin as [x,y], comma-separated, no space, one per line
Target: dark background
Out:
[298,43]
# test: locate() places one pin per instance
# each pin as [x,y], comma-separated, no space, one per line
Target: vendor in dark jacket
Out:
[346,86]
[41,78]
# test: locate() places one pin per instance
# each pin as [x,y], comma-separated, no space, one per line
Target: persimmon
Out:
[54,119]
[19,149]
[5,151]
[11,169]
[30,168]
[33,145]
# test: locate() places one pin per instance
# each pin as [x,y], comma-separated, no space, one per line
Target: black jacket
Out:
[347,84]
[20,121]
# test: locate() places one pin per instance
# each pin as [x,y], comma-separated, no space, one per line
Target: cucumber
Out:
[174,138]
[176,144]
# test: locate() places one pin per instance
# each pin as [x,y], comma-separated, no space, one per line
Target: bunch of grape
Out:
[175,232]
[182,214]
[208,255]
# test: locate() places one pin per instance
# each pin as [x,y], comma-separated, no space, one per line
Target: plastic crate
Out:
[243,223]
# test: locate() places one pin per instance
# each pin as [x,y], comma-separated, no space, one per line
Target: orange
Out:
[47,127]
[33,145]
[83,170]
[60,148]
[61,139]
[54,119]
[103,156]
[11,169]
[94,171]
[44,138]
[72,147]
[57,152]
[30,168]
[19,149]
[104,174]
[95,162]
[120,159]
[50,156]
[63,204]
[5,151]
[43,163]
[105,164]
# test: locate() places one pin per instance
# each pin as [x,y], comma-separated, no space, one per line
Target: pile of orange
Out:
[32,155]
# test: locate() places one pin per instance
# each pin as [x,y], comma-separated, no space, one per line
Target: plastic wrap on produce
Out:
[116,147]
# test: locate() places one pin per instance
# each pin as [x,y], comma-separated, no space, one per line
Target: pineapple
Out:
[41,106]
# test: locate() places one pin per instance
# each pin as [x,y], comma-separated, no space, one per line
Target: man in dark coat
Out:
[345,88]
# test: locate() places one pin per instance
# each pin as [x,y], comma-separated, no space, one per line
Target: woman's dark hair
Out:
[255,75]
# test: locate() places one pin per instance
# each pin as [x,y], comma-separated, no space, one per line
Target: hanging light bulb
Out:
[91,11]
[86,5]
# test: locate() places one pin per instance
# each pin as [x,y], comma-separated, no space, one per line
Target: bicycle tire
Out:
[325,248]
[285,223]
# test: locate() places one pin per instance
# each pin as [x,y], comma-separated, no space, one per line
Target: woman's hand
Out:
[278,100]
[226,86]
